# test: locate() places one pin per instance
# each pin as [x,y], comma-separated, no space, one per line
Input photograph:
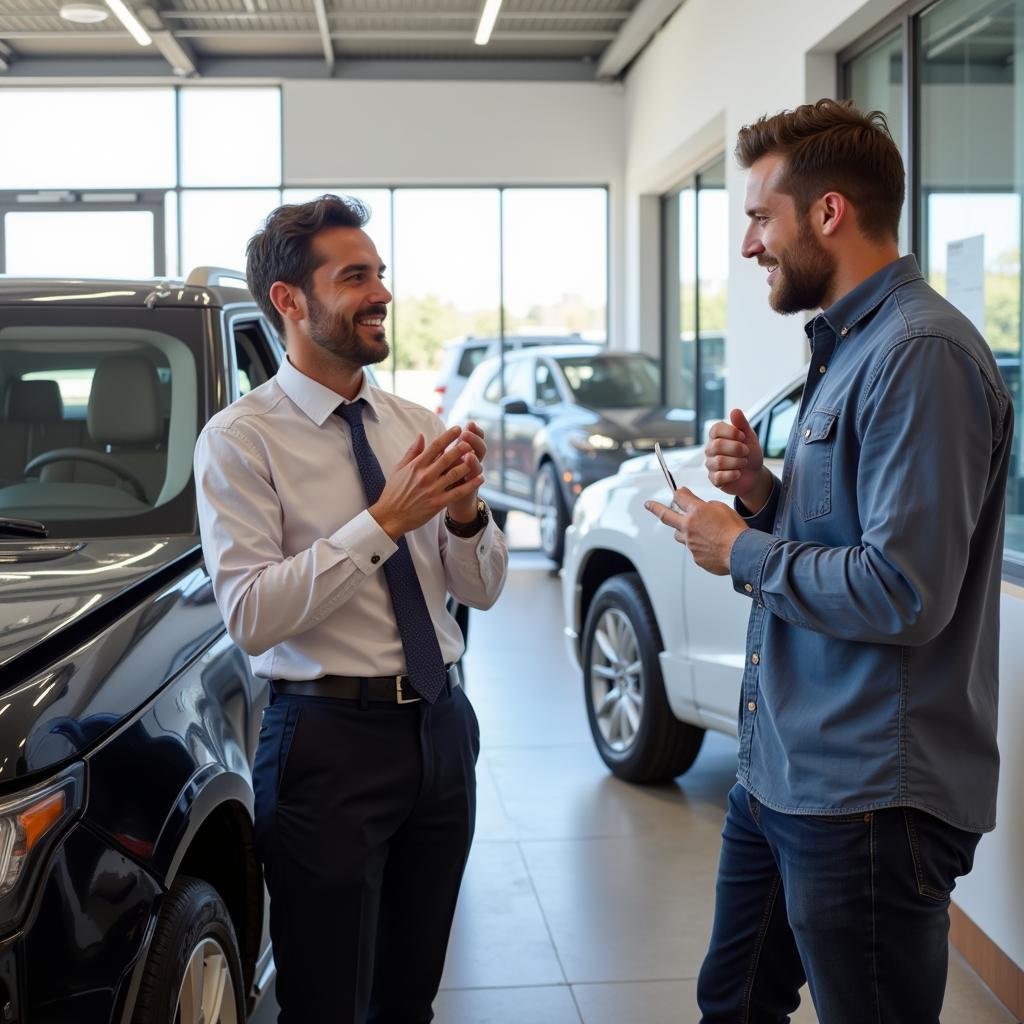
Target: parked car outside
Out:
[129,890]
[659,641]
[461,356]
[568,415]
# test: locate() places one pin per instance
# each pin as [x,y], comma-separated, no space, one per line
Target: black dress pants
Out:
[364,819]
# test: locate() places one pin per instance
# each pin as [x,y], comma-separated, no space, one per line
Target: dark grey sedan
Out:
[560,418]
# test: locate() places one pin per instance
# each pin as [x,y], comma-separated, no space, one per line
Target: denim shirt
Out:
[871,674]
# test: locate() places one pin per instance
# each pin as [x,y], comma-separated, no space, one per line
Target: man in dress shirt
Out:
[335,517]
[867,732]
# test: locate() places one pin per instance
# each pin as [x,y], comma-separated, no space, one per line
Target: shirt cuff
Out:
[472,549]
[365,542]
[764,518]
[746,562]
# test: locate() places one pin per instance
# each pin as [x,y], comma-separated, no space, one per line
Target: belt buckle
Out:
[400,697]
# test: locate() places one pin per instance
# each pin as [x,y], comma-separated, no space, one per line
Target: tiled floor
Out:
[586,900]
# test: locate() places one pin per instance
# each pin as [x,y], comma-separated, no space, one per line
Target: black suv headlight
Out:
[31,822]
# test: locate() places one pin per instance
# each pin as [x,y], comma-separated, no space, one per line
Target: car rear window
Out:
[472,357]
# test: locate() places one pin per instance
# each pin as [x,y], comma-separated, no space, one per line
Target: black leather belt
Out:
[388,689]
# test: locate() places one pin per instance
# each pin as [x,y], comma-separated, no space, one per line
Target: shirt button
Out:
[374,559]
[751,705]
[748,588]
[807,432]
[821,369]
[845,331]
[756,658]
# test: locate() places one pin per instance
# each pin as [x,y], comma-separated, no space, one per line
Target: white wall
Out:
[993,894]
[463,133]
[715,67]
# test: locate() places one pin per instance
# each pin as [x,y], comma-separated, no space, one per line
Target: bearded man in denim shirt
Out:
[867,760]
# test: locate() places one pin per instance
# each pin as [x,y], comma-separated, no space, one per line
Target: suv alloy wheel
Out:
[631,722]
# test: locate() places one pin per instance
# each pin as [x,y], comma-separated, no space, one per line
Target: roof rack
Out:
[203,277]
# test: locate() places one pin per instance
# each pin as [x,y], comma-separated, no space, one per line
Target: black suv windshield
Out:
[101,409]
[612,382]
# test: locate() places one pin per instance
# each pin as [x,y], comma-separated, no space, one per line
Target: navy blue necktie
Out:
[424,662]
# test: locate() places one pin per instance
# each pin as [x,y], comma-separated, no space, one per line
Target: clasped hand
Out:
[445,473]
[735,465]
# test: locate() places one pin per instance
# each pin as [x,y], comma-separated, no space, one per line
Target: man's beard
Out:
[805,275]
[339,334]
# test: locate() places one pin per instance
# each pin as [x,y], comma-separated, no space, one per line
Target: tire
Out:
[551,512]
[631,722]
[193,958]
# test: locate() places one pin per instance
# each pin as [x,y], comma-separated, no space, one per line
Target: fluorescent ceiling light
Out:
[130,22]
[488,16]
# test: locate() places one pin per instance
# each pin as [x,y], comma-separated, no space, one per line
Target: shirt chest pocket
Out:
[812,472]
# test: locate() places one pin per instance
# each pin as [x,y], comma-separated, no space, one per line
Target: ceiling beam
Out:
[394,36]
[643,24]
[324,28]
[181,58]
[382,36]
[247,15]
[116,70]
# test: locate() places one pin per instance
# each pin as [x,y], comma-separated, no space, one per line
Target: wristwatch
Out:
[470,529]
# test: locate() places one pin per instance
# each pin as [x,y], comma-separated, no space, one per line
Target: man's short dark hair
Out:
[282,250]
[832,146]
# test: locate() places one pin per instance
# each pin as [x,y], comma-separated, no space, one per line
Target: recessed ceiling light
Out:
[84,13]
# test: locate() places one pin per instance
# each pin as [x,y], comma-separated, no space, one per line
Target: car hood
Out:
[89,631]
[668,425]
[47,586]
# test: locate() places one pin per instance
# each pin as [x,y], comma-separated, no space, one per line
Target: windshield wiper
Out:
[22,528]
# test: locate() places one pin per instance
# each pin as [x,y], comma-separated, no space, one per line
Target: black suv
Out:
[129,891]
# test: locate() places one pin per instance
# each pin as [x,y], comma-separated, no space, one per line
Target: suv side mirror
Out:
[514,407]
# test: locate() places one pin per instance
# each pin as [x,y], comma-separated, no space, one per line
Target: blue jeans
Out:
[857,905]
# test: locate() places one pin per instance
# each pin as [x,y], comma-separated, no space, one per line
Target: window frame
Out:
[908,17]
[148,197]
[151,201]
[671,311]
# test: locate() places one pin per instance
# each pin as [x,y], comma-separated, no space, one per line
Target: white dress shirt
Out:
[294,555]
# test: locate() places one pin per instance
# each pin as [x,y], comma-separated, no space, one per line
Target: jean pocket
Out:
[812,473]
[940,853]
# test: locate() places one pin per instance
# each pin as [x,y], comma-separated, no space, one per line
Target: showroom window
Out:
[695,223]
[874,81]
[484,262]
[135,182]
[949,77]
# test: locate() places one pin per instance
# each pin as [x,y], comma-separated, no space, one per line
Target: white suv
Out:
[463,355]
